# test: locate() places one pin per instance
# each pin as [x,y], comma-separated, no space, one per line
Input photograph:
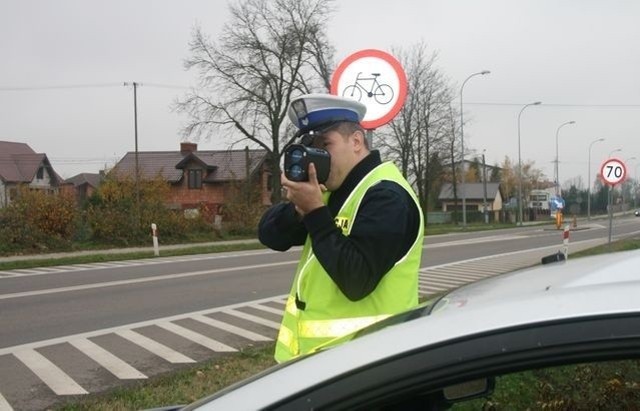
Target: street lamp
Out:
[614,151]
[537,103]
[589,180]
[464,192]
[557,171]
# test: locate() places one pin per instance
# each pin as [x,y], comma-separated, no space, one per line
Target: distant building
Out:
[200,178]
[83,185]
[474,197]
[21,166]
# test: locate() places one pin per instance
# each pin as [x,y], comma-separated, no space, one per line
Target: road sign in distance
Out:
[613,171]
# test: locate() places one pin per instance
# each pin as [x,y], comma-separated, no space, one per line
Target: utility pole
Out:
[484,189]
[135,125]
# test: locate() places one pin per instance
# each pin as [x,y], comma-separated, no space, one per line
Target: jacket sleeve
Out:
[280,228]
[384,229]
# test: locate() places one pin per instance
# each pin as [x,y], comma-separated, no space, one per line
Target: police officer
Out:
[362,232]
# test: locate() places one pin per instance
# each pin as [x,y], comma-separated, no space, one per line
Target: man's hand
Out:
[305,195]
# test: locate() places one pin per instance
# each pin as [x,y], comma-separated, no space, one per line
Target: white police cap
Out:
[317,111]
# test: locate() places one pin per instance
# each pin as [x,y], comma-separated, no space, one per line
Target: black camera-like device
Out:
[296,162]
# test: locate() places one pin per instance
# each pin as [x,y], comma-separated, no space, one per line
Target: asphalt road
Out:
[71,315]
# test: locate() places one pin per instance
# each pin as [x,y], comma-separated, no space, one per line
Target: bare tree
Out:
[270,52]
[454,151]
[414,138]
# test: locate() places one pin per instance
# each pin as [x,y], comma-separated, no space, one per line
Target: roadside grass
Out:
[182,387]
[124,255]
[95,254]
[620,245]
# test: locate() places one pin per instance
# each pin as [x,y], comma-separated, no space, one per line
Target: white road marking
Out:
[468,241]
[109,361]
[59,382]
[104,331]
[197,338]
[139,280]
[267,309]
[253,318]
[230,328]
[155,347]
[4,405]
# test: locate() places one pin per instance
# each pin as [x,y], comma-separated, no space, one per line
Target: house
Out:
[21,166]
[200,178]
[83,185]
[474,197]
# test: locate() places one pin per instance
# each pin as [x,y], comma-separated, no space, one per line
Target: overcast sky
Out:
[581,58]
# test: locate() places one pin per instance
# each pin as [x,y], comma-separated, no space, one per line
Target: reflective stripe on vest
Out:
[335,328]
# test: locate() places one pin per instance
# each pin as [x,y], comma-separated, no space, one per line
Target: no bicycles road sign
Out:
[377,80]
[613,171]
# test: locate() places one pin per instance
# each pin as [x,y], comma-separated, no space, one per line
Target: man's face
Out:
[344,152]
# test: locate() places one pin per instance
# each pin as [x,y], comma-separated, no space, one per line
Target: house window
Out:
[40,174]
[195,179]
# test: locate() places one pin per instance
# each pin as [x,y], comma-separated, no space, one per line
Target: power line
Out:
[557,105]
[167,86]
[62,87]
[83,86]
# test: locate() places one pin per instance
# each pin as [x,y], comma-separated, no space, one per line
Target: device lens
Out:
[295,172]
[296,155]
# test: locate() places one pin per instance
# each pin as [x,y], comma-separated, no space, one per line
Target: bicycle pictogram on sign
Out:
[382,93]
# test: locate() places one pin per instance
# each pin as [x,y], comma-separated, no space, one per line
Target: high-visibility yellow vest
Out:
[323,312]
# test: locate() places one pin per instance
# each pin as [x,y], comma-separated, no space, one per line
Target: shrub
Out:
[37,220]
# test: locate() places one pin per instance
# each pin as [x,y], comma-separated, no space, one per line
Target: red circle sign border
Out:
[397,67]
[624,171]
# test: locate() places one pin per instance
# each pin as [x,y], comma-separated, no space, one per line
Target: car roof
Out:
[584,287]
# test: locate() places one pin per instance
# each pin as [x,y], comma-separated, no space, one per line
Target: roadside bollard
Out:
[565,242]
[154,234]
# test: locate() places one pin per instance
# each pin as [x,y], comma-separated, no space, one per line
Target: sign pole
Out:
[610,208]
[613,171]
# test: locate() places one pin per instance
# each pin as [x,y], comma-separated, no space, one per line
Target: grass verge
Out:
[182,387]
[136,255]
[94,254]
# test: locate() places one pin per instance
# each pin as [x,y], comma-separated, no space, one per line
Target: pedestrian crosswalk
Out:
[182,339]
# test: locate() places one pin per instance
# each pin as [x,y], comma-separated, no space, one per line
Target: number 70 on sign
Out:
[613,171]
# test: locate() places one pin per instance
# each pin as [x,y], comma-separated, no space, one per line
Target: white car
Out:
[556,336]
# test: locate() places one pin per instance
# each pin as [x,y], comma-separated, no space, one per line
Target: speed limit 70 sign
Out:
[613,171]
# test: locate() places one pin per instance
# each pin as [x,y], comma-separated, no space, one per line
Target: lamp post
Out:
[537,103]
[557,171]
[589,180]
[614,151]
[464,192]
